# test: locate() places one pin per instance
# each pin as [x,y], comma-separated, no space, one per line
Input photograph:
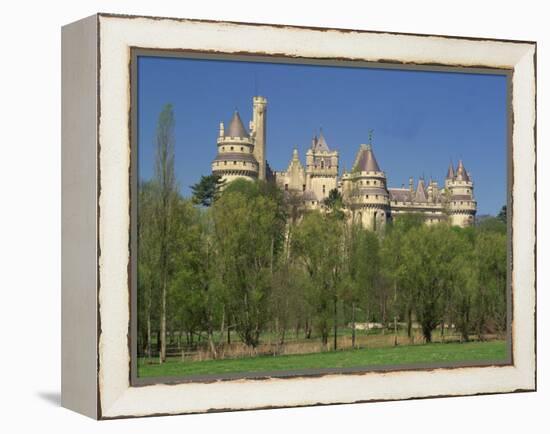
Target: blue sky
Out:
[421,120]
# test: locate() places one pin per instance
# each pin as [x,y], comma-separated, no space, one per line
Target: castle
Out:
[365,193]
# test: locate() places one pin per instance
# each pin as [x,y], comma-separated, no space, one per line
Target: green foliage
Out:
[334,203]
[318,246]
[248,229]
[502,214]
[490,297]
[207,190]
[492,224]
[251,263]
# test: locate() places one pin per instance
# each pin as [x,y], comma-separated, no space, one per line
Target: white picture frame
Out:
[96,162]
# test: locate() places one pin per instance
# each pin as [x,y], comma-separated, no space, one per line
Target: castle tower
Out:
[321,169]
[460,200]
[365,192]
[235,158]
[258,129]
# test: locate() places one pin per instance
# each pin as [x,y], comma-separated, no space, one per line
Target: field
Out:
[366,357]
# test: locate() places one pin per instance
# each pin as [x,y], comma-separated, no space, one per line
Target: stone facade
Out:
[365,193]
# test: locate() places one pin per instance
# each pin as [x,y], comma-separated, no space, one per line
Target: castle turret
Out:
[258,126]
[365,191]
[321,169]
[235,158]
[460,202]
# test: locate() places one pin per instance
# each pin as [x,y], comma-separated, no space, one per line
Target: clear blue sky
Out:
[421,120]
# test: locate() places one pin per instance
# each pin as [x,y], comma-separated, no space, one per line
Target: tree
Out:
[490,298]
[249,222]
[363,269]
[165,181]
[428,253]
[318,245]
[207,190]
[148,256]
[334,203]
[502,214]
[394,267]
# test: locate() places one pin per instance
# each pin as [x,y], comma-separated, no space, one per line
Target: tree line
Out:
[246,258]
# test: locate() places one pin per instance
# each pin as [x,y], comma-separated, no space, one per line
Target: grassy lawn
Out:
[405,354]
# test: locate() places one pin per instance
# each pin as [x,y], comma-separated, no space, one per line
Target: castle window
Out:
[323,189]
[322,164]
[223,148]
[368,182]
[225,163]
[286,187]
[231,147]
[234,162]
[376,196]
[375,182]
[242,149]
[367,196]
[303,187]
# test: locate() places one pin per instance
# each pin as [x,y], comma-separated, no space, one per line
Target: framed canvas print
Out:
[262,216]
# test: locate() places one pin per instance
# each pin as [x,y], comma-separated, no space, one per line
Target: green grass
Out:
[401,355]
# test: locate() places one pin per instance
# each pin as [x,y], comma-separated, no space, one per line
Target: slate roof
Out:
[365,160]
[236,127]
[400,194]
[319,144]
[461,174]
[450,172]
[236,156]
[372,190]
[420,194]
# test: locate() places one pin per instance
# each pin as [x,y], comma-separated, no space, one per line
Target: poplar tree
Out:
[166,194]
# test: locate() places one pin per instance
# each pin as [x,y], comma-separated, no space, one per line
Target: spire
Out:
[461,174]
[365,161]
[236,127]
[451,171]
[420,195]
[319,144]
[295,162]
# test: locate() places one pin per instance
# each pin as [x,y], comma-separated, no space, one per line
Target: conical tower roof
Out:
[236,127]
[461,174]
[451,171]
[365,161]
